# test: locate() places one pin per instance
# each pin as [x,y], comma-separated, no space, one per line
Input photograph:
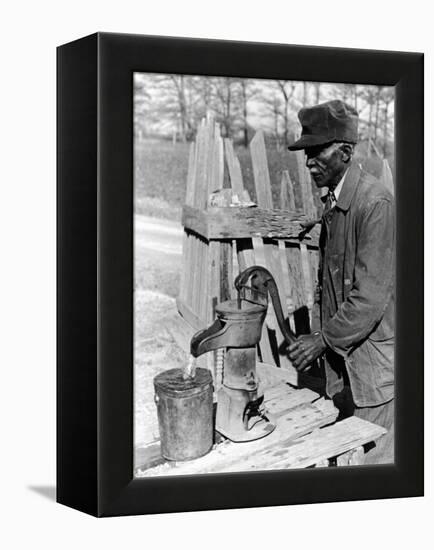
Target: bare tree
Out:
[317,86]
[377,111]
[172,102]
[366,100]
[248,91]
[142,102]
[305,94]
[179,84]
[286,89]
[227,103]
[356,103]
[388,96]
[166,104]
[203,93]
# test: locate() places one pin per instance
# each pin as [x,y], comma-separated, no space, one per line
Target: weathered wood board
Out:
[246,222]
[287,453]
[298,412]
[386,177]
[287,197]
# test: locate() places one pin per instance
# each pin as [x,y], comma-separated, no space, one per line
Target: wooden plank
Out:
[242,248]
[235,269]
[314,266]
[265,346]
[260,171]
[231,276]
[213,273]
[225,270]
[287,197]
[191,272]
[194,273]
[189,315]
[199,197]
[299,162]
[204,173]
[386,177]
[307,275]
[186,285]
[286,277]
[234,169]
[305,185]
[182,280]
[148,456]
[281,390]
[192,199]
[331,441]
[279,404]
[210,157]
[245,253]
[303,452]
[200,290]
[214,278]
[315,323]
[233,457]
[295,275]
[354,457]
[239,223]
[191,175]
[204,270]
[218,166]
[270,320]
[270,375]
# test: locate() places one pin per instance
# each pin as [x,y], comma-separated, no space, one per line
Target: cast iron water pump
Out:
[241,415]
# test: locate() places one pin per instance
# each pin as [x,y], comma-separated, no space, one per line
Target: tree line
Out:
[172,105]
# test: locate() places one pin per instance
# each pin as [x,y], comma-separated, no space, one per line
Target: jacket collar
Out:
[349,186]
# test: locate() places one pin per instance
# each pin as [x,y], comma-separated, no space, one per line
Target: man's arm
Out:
[373,277]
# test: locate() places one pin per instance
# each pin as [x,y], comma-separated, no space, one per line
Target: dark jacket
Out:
[357,289]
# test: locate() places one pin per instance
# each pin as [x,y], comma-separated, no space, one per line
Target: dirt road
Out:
[157,265]
[158,235]
[157,255]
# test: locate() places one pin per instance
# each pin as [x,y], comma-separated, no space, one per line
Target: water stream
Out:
[190,368]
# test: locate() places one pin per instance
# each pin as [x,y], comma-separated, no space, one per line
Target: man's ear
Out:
[347,152]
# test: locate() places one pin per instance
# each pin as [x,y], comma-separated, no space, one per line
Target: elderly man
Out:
[356,276]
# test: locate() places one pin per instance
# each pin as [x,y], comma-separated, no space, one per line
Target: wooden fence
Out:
[220,241]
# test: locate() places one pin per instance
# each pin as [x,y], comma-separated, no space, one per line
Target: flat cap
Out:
[325,123]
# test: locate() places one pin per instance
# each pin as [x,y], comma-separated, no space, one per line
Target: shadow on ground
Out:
[47,491]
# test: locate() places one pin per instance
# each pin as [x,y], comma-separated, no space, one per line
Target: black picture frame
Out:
[95,274]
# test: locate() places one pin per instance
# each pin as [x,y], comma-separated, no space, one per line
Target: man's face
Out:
[326,164]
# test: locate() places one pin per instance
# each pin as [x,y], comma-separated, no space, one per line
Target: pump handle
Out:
[263,282]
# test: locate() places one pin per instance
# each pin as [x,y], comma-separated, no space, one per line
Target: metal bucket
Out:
[185,413]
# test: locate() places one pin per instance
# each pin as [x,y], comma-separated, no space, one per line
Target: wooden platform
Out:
[297,441]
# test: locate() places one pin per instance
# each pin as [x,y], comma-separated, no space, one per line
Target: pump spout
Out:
[208,339]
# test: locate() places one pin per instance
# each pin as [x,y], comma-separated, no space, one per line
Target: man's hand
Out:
[306,349]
